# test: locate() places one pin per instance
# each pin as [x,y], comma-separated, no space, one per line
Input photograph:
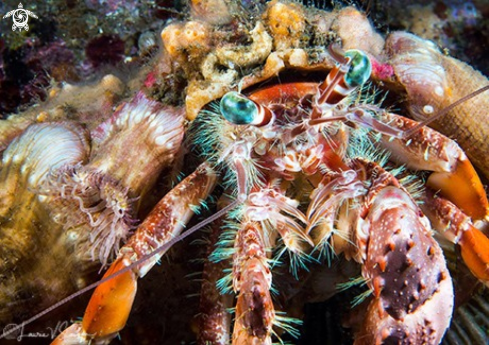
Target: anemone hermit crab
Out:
[311,167]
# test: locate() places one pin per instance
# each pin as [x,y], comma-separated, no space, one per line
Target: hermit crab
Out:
[309,166]
[276,140]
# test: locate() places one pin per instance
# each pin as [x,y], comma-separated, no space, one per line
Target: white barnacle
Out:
[428,109]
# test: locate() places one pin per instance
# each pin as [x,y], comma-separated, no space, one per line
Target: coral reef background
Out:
[76,41]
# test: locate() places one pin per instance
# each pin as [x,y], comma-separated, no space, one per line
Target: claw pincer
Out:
[111,302]
[405,268]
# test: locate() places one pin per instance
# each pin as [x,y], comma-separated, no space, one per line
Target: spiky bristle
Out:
[360,298]
[225,284]
[362,145]
[298,260]
[288,324]
[325,251]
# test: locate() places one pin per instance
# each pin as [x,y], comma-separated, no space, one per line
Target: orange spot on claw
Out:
[378,285]
[410,244]
[382,263]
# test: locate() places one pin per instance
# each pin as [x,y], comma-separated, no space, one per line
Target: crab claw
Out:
[463,187]
[474,246]
[406,271]
[107,311]
[457,227]
[453,174]
[111,303]
[112,300]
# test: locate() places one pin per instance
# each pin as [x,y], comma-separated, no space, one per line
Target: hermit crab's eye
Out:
[360,68]
[238,109]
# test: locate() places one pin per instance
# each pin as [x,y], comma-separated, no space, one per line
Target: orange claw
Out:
[457,227]
[107,311]
[474,245]
[463,187]
[111,303]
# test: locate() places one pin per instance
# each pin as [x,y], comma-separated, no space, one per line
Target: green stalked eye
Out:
[360,68]
[238,109]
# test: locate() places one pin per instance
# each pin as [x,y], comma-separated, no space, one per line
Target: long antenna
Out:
[92,286]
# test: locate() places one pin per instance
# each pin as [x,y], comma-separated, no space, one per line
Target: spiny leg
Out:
[404,267]
[252,281]
[214,317]
[111,302]
[457,227]
[453,174]
[267,214]
[454,178]
[329,215]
